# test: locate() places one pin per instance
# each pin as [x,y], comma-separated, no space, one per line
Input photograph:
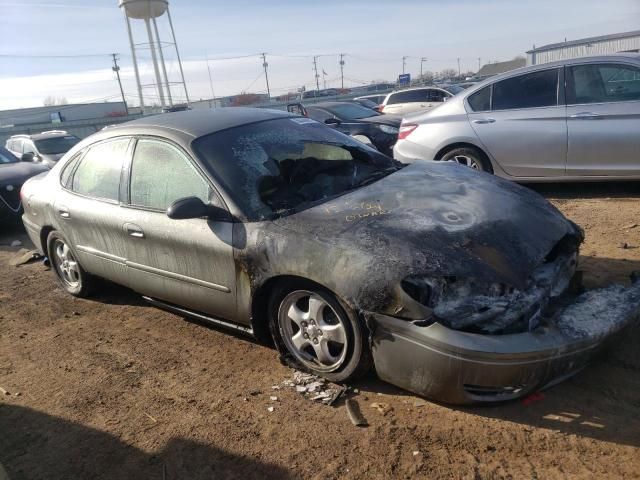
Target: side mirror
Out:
[28,157]
[193,207]
[332,121]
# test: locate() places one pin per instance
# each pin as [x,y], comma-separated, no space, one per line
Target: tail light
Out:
[380,108]
[406,129]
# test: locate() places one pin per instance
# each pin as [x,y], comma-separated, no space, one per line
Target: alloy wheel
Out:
[467,161]
[314,333]
[66,264]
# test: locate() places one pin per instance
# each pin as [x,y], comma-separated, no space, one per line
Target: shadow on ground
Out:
[34,445]
[587,190]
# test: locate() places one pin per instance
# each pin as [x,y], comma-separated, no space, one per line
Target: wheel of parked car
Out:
[68,271]
[317,333]
[469,157]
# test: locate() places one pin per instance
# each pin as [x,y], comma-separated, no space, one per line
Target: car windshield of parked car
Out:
[453,89]
[7,157]
[277,167]
[56,145]
[351,111]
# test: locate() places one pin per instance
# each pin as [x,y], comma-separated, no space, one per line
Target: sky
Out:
[62,47]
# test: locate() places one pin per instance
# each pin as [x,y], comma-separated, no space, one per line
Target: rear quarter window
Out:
[481,100]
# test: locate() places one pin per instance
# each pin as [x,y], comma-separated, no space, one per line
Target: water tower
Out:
[149,11]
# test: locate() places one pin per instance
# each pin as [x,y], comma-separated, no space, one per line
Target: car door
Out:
[88,208]
[184,262]
[603,119]
[523,126]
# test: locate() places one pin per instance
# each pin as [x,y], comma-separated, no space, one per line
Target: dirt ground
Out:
[112,388]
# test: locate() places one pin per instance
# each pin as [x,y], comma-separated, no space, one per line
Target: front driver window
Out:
[162,174]
[603,83]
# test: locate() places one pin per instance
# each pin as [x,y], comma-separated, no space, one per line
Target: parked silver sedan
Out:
[575,119]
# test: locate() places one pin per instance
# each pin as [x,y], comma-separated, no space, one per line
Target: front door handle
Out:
[482,121]
[64,213]
[585,115]
[134,230]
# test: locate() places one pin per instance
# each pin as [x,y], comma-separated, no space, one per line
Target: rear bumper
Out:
[462,368]
[33,231]
[407,151]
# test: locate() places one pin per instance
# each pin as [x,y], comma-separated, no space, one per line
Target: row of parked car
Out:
[281,227]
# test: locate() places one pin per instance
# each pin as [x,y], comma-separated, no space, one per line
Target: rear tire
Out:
[316,333]
[470,157]
[69,273]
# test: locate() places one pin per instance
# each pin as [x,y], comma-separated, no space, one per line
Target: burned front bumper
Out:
[461,368]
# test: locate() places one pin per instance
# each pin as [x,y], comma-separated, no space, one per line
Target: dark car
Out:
[365,102]
[13,173]
[46,147]
[454,283]
[360,122]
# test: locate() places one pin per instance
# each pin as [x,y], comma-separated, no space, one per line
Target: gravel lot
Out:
[112,388]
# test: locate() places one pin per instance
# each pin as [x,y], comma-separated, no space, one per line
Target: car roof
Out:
[40,136]
[328,104]
[558,63]
[197,123]
[426,87]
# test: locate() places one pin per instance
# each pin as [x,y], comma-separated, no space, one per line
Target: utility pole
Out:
[422,60]
[324,79]
[458,66]
[116,68]
[315,68]
[266,77]
[213,95]
[478,63]
[341,70]
[404,63]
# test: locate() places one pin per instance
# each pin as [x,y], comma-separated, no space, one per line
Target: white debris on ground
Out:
[600,311]
[313,388]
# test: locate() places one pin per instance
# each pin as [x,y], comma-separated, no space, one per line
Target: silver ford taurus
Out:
[575,119]
[454,284]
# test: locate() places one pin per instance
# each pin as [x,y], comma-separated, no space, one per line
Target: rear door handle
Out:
[585,115]
[134,230]
[63,212]
[482,121]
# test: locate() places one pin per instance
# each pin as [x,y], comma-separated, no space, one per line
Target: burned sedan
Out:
[453,284]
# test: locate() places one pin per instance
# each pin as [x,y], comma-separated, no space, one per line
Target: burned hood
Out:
[437,218]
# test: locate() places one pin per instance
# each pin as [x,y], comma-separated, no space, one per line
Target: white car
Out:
[417,99]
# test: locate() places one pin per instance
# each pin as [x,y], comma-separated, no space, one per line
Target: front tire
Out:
[314,332]
[69,273]
[469,157]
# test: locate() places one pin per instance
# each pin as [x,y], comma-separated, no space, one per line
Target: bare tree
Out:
[448,73]
[51,100]
[427,77]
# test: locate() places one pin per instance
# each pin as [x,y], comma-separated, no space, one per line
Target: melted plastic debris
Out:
[497,308]
[313,388]
[599,312]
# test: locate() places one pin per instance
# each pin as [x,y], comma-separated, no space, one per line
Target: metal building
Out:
[603,45]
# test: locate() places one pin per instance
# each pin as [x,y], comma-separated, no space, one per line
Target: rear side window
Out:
[98,175]
[67,170]
[409,96]
[481,100]
[162,174]
[437,95]
[537,89]
[602,83]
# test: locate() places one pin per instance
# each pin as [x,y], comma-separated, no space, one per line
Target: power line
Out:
[13,55]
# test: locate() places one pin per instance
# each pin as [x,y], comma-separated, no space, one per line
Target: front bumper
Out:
[462,368]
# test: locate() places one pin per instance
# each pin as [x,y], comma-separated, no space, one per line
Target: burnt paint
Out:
[431,218]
